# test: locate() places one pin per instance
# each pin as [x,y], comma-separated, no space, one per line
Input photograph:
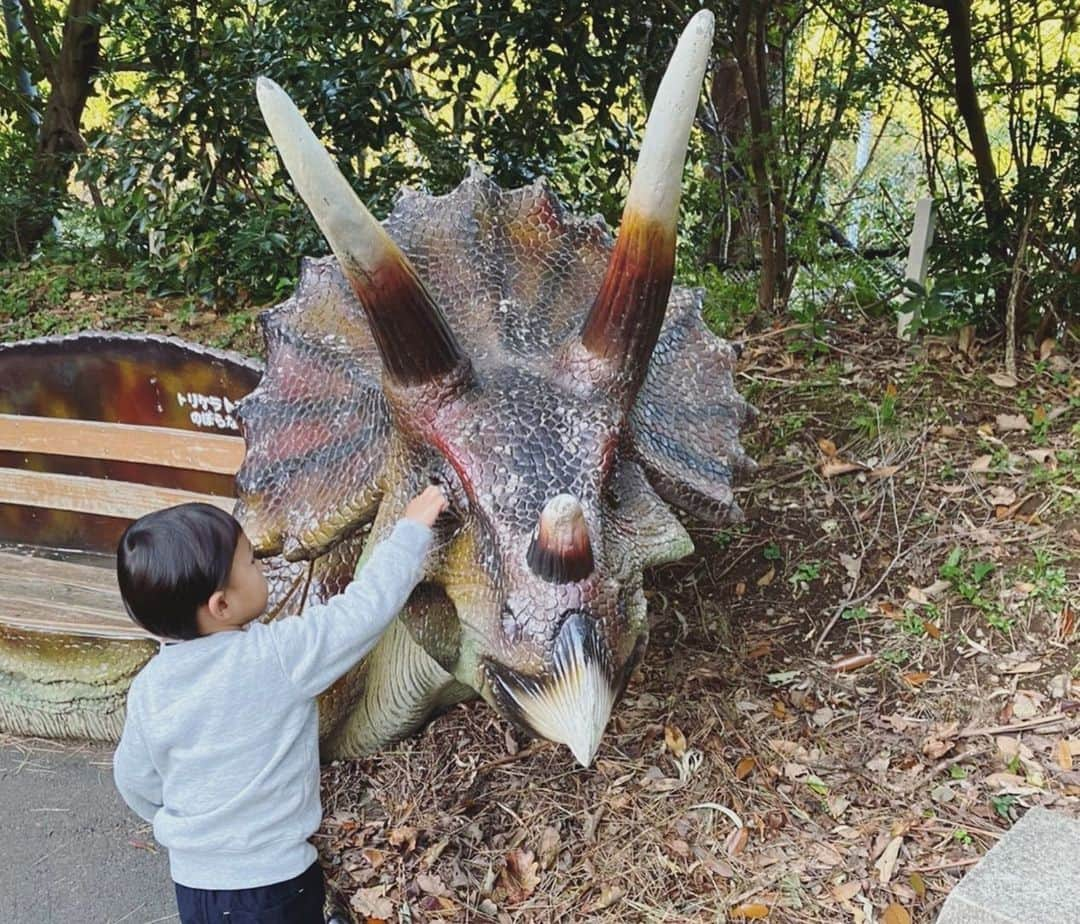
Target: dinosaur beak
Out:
[572,703]
[624,322]
[412,335]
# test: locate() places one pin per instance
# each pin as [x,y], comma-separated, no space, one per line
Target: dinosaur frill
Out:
[514,273]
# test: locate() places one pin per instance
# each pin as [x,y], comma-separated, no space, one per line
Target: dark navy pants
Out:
[295,901]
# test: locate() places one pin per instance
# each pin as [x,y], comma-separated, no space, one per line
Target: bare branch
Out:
[1015,288]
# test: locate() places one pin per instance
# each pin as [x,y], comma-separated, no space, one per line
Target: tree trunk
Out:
[998,225]
[731,241]
[70,74]
[16,32]
[967,102]
[782,278]
[749,48]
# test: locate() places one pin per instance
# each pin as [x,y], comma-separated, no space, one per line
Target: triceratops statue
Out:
[558,387]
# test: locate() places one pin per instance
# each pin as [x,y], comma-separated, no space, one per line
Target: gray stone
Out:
[1031,875]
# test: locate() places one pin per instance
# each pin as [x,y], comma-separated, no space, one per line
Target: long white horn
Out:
[657,183]
[624,321]
[414,340]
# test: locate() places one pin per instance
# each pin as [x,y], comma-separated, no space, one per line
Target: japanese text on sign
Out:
[209,410]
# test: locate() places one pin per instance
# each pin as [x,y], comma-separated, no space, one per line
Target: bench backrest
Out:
[99,429]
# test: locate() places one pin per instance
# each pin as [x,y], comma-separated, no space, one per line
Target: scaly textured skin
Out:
[557,385]
[335,445]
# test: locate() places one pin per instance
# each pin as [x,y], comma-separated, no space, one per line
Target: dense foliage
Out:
[1000,149]
[175,178]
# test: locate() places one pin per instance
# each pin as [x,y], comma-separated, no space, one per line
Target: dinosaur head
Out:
[543,565]
[555,384]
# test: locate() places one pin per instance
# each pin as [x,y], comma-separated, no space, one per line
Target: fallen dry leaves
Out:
[1066,623]
[1065,755]
[372,903]
[736,842]
[833,468]
[849,787]
[895,914]
[549,847]
[886,863]
[852,662]
[846,891]
[1009,423]
[918,885]
[916,678]
[610,893]
[518,879]
[674,740]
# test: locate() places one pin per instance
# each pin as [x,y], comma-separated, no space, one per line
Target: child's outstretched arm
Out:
[318,647]
[136,777]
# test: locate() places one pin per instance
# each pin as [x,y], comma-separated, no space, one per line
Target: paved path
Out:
[69,847]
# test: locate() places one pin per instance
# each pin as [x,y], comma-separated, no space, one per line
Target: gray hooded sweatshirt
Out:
[220,748]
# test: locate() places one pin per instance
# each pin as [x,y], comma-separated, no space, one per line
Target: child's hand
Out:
[426,506]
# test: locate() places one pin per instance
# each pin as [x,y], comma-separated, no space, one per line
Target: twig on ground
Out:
[1015,726]
[937,867]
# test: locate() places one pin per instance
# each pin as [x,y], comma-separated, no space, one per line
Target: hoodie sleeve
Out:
[322,644]
[134,772]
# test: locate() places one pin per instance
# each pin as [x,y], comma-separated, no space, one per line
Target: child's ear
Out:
[218,606]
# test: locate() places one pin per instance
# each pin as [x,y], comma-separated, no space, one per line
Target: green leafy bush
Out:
[17,193]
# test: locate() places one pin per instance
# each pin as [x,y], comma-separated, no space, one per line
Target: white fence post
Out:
[922,236]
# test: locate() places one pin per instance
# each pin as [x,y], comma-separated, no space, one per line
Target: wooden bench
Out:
[95,431]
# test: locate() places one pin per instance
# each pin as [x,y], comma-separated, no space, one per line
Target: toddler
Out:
[220,746]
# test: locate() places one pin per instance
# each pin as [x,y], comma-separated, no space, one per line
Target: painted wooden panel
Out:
[94,495]
[181,390]
[123,442]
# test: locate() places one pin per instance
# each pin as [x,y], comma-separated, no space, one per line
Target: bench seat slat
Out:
[32,569]
[123,499]
[62,596]
[93,439]
[48,595]
[28,616]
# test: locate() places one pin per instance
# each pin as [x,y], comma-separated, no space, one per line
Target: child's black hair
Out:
[169,562]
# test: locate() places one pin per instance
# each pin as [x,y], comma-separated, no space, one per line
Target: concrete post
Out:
[922,236]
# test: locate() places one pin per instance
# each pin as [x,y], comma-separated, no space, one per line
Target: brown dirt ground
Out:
[838,714]
[770,759]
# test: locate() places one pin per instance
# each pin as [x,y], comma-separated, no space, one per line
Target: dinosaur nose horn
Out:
[560,551]
[625,319]
[411,333]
